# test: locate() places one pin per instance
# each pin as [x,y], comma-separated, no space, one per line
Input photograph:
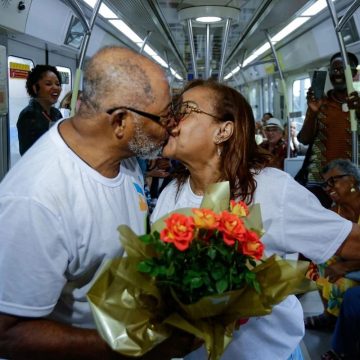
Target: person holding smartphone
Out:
[326,128]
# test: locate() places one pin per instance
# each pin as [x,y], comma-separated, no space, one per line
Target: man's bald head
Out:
[117,76]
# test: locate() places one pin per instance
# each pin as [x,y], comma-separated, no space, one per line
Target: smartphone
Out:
[318,83]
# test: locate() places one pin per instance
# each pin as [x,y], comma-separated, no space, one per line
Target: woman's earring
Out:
[219,151]
[352,189]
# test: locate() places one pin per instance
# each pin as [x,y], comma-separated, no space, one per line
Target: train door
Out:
[18,99]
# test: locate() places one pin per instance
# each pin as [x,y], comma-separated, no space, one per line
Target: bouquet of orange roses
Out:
[199,270]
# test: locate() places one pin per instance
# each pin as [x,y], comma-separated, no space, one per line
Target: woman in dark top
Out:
[44,86]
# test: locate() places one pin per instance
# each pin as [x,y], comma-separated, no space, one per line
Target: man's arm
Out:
[40,339]
[308,130]
[350,248]
[28,338]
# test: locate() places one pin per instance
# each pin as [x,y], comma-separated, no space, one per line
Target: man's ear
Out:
[224,132]
[118,122]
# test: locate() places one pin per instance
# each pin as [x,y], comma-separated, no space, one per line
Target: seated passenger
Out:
[342,180]
[346,337]
[296,147]
[274,142]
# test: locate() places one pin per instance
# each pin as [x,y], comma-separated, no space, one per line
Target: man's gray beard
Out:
[142,145]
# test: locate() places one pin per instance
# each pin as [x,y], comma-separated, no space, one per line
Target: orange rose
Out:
[179,231]
[232,228]
[205,219]
[253,246]
[239,208]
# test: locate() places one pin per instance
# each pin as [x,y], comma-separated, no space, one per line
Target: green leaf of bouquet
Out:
[218,272]
[196,282]
[211,253]
[145,266]
[257,287]
[221,286]
[147,238]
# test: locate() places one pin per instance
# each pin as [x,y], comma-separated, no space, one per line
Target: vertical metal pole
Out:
[207,52]
[192,47]
[145,41]
[84,46]
[284,90]
[169,70]
[349,83]
[222,61]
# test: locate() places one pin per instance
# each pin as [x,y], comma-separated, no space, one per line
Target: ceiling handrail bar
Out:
[260,12]
[145,41]
[349,81]
[348,14]
[154,6]
[80,13]
[83,48]
[192,47]
[224,47]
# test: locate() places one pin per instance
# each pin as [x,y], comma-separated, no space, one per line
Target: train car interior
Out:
[267,49]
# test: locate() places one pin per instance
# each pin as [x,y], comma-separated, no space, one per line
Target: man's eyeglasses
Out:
[184,109]
[330,182]
[158,119]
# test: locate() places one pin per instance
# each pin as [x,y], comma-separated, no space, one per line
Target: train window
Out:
[66,82]
[299,103]
[349,32]
[18,98]
[75,33]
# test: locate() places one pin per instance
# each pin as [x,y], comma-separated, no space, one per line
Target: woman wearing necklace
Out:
[44,87]
[341,182]
[326,127]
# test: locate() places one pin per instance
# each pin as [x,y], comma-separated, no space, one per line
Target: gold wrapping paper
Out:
[132,317]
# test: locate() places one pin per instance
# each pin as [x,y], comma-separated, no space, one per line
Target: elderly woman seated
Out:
[341,182]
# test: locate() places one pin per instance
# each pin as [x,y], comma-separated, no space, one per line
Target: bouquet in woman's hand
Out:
[204,254]
[199,270]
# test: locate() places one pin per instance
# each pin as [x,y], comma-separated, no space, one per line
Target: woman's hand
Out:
[339,269]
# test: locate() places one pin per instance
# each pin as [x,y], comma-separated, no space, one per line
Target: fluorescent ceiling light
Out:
[107,13]
[103,11]
[208,19]
[176,74]
[160,61]
[256,53]
[150,51]
[288,29]
[127,31]
[315,8]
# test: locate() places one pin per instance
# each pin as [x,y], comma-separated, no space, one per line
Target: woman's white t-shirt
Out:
[294,221]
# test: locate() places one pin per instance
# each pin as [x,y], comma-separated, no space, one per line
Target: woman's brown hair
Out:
[241,157]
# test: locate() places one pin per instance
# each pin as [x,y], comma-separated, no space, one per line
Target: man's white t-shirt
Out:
[58,225]
[294,221]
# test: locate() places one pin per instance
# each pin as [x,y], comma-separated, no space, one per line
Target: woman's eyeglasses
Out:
[331,181]
[184,109]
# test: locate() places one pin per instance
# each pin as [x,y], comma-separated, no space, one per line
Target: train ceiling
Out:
[168,25]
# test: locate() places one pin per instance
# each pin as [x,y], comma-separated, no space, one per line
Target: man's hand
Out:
[339,269]
[313,103]
[176,346]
